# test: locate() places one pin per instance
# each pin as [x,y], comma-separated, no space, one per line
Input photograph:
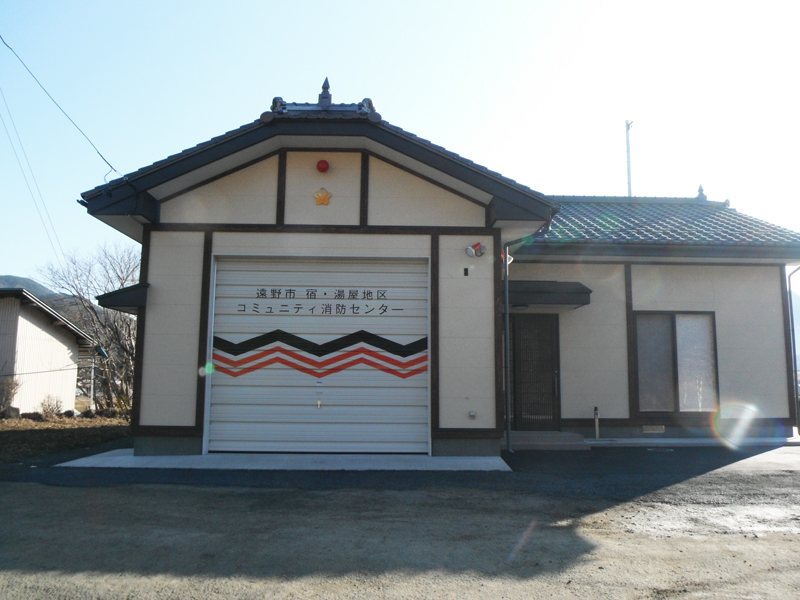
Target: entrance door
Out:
[536,399]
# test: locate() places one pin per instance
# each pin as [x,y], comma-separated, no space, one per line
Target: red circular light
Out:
[323,166]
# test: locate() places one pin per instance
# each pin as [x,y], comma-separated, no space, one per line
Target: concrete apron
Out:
[124,459]
[562,440]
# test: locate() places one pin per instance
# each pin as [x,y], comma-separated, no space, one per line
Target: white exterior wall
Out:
[466,333]
[172,323]
[592,339]
[397,197]
[46,362]
[246,196]
[748,309]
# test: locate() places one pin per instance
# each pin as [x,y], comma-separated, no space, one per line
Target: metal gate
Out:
[320,356]
[535,364]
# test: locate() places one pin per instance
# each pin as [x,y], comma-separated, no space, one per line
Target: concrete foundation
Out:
[755,430]
[466,447]
[166,446]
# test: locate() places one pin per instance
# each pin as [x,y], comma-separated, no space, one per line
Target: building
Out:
[40,349]
[320,280]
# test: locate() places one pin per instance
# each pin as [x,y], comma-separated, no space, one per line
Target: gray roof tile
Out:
[312,111]
[671,221]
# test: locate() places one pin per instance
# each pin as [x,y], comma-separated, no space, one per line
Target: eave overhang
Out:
[84,340]
[536,251]
[128,299]
[131,197]
[548,293]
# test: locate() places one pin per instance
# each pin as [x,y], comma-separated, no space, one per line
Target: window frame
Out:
[674,416]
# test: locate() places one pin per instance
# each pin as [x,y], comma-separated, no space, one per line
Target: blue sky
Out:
[539,91]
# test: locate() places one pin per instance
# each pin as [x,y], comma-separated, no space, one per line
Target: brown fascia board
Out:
[116,196]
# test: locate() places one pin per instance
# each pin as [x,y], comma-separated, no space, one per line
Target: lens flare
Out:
[208,369]
[526,535]
[731,423]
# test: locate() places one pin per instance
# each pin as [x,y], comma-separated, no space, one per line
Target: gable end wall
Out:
[47,362]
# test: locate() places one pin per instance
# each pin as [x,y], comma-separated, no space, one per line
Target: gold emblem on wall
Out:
[323,196]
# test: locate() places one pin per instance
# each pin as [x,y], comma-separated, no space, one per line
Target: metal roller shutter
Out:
[320,356]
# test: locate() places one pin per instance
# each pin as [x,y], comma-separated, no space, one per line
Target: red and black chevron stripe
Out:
[359,348]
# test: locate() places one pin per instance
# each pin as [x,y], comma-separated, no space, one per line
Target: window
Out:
[677,362]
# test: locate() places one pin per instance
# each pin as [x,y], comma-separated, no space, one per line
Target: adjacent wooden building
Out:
[40,349]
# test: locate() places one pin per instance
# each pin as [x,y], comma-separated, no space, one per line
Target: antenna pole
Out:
[628,148]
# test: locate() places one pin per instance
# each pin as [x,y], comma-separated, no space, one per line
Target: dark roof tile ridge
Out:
[636,200]
[321,115]
[172,157]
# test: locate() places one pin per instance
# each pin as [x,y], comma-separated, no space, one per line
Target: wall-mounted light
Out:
[475,250]
[323,166]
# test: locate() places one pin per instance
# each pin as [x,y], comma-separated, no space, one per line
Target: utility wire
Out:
[33,175]
[59,107]
[30,191]
[65,368]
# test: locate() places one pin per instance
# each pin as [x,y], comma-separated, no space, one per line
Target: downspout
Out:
[794,349]
[507,358]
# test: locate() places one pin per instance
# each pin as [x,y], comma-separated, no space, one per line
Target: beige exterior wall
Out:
[397,197]
[47,362]
[169,377]
[466,334]
[303,180]
[593,339]
[747,305]
[246,196]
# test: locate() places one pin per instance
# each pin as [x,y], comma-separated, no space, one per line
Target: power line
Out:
[66,368]
[59,107]
[30,191]
[33,175]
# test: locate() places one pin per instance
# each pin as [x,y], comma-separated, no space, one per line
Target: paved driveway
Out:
[610,523]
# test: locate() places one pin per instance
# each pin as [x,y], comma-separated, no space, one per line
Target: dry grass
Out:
[23,438]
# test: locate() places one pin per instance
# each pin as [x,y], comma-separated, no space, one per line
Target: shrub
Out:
[51,406]
[8,389]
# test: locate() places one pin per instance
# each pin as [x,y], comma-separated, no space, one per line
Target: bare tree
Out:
[79,281]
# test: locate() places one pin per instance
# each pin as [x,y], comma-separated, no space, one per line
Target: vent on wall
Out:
[652,429]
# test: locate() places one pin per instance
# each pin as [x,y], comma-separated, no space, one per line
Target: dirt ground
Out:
[24,438]
[539,532]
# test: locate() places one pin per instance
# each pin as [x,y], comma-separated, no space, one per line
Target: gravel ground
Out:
[22,439]
[610,523]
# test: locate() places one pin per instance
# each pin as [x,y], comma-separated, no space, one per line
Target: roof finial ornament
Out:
[325,97]
[700,194]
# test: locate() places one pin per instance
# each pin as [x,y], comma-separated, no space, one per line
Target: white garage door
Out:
[320,356]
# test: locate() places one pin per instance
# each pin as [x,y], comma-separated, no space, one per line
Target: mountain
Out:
[35,288]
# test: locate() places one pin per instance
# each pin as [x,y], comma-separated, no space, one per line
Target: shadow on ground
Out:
[296,524]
